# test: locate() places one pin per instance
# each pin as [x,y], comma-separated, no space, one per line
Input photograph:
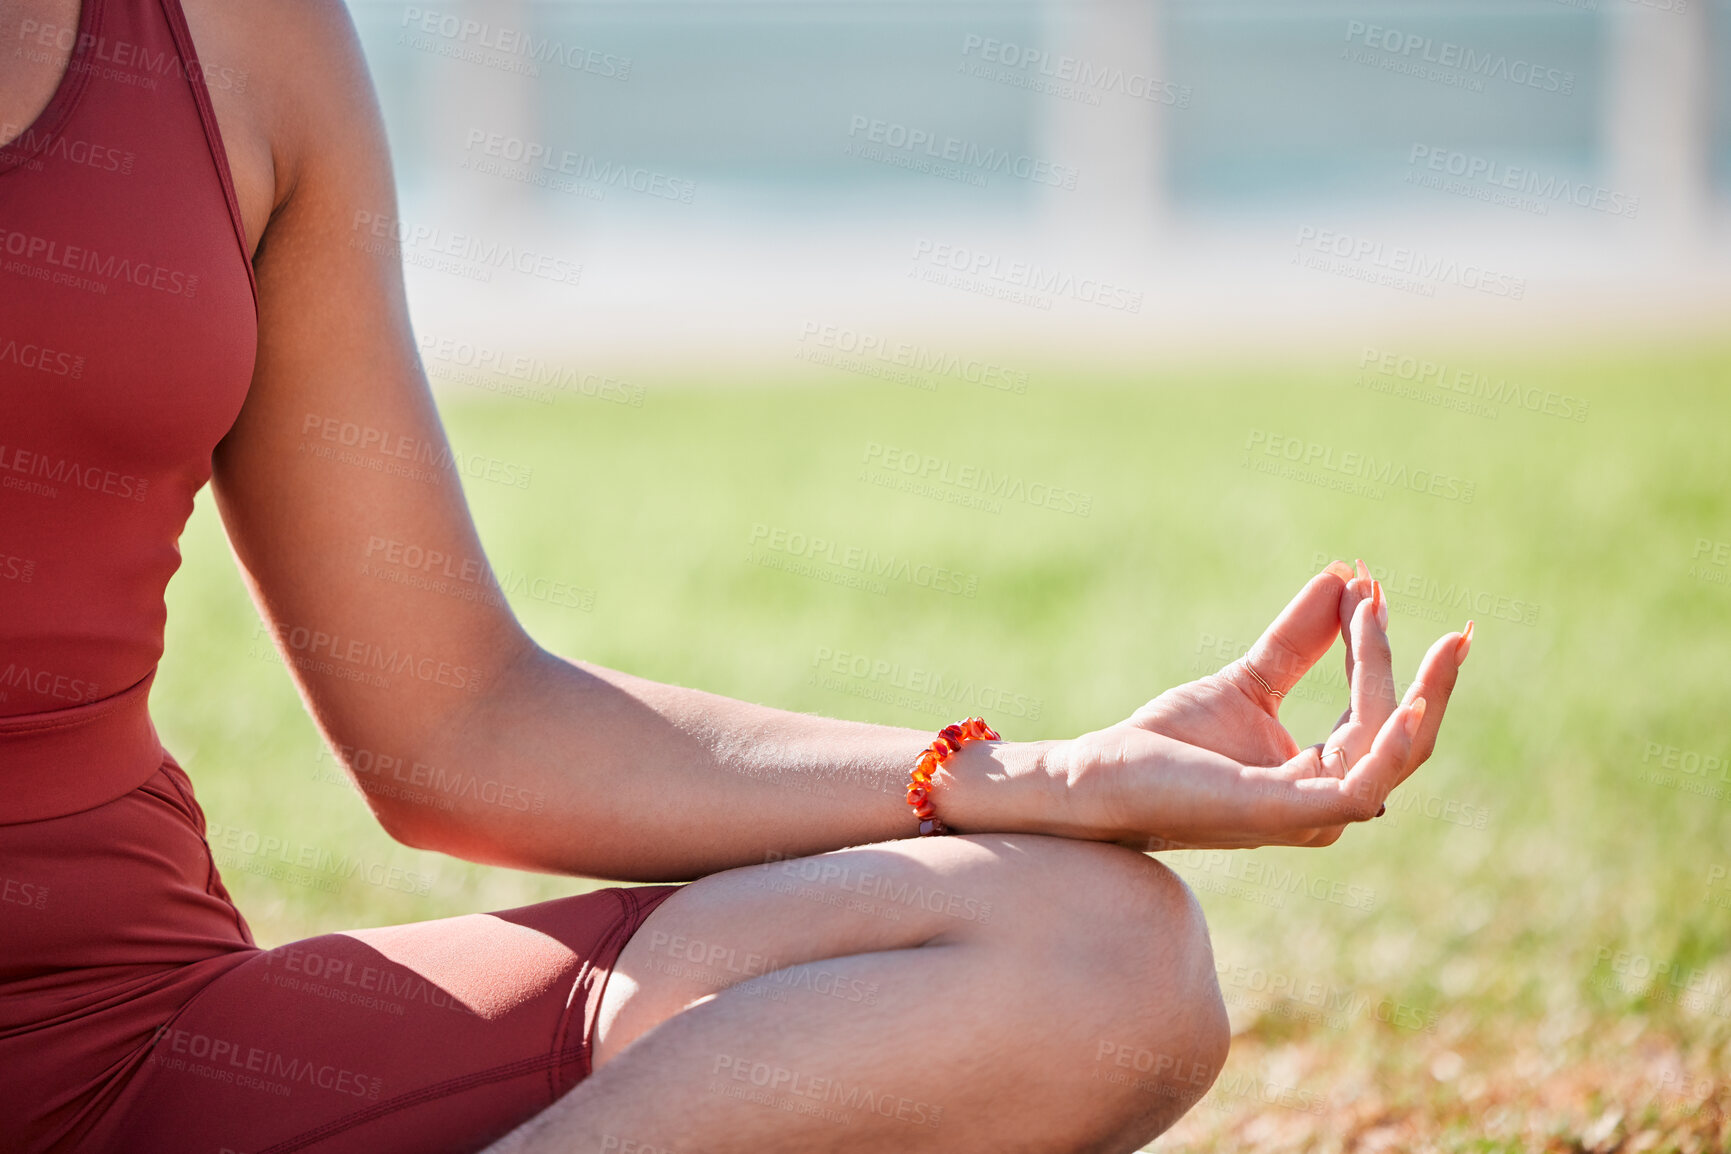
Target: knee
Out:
[1134,944]
[1149,927]
[1182,1027]
[1172,1032]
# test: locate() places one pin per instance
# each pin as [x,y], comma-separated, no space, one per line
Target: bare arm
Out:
[546,764]
[465,735]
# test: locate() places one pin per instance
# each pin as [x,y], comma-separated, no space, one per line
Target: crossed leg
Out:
[980,993]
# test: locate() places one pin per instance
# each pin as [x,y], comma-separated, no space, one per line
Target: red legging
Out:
[137,1015]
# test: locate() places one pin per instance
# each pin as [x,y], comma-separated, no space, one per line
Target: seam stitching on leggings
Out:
[117,1083]
[212,876]
[585,973]
[415,1098]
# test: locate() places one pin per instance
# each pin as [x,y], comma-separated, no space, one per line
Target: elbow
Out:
[409,815]
[408,823]
[424,827]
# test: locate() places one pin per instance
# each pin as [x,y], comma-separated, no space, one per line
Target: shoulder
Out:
[290,89]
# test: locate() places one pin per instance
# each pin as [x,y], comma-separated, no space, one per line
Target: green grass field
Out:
[1530,953]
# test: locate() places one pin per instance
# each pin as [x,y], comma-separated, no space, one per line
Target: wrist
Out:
[1007,787]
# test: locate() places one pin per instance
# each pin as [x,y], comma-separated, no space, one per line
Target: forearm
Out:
[574,768]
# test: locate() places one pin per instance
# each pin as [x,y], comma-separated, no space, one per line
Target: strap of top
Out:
[176,18]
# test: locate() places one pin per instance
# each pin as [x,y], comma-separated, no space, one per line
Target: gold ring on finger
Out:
[1251,669]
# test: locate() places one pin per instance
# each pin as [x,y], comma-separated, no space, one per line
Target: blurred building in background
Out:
[726,183]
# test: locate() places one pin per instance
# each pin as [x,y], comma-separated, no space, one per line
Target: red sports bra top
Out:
[127,333]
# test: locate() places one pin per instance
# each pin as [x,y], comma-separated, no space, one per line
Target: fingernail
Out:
[1382,809]
[1381,604]
[1464,645]
[1340,569]
[1362,570]
[1415,714]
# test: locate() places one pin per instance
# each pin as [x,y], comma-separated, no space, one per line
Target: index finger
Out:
[1435,683]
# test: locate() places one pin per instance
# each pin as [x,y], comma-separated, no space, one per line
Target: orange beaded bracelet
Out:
[949,740]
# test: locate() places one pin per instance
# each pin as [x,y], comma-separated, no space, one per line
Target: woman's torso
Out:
[127,335]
